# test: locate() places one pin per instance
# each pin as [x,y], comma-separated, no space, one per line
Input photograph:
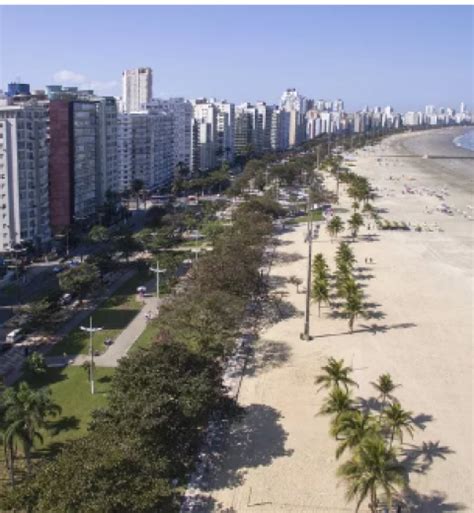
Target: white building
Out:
[225,131]
[24,189]
[181,111]
[145,148]
[137,88]
[292,100]
[204,135]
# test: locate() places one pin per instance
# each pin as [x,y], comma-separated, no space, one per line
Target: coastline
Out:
[420,288]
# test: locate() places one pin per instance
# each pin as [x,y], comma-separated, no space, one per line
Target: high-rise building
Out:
[24,212]
[292,100]
[137,89]
[204,138]
[145,148]
[225,131]
[83,153]
[14,89]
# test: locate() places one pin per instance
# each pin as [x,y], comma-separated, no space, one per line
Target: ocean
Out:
[465,141]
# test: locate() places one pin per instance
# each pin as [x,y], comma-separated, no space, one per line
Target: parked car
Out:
[14,336]
[65,299]
[58,269]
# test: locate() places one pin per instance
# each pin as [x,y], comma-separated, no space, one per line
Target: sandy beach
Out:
[419,294]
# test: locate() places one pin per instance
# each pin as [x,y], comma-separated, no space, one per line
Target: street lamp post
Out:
[91,331]
[157,271]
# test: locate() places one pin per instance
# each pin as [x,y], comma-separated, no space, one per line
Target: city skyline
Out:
[364,55]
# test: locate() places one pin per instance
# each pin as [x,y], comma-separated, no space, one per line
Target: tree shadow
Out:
[370,404]
[374,328]
[105,379]
[63,424]
[363,276]
[419,458]
[274,310]
[286,258]
[255,440]
[276,282]
[268,354]
[432,503]
[422,419]
[375,314]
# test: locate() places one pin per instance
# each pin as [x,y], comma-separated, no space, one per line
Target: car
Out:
[57,269]
[14,336]
[65,299]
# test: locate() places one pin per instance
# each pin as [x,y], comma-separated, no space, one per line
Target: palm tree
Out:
[397,420]
[355,222]
[373,467]
[354,305]
[320,291]
[335,375]
[319,264]
[345,255]
[384,386]
[26,411]
[136,188]
[335,226]
[354,426]
[338,402]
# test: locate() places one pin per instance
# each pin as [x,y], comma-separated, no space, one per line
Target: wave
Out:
[465,141]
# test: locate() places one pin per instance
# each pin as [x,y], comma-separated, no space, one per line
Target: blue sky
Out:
[407,56]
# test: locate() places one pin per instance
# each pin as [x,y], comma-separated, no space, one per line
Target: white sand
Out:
[281,457]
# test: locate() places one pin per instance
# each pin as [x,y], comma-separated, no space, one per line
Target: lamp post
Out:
[157,271]
[91,331]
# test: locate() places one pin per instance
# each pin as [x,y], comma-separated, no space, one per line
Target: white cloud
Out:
[67,77]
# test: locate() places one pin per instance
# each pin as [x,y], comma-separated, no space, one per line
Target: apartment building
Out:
[137,89]
[24,212]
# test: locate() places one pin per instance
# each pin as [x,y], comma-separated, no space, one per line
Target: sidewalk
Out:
[128,336]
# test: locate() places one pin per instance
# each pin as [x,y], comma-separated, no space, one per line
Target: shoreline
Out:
[280,455]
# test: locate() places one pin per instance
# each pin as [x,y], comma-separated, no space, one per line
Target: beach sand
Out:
[419,291]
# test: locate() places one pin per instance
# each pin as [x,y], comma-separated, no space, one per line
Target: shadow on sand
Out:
[254,440]
[267,355]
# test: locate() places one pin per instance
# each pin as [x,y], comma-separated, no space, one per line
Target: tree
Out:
[335,226]
[79,280]
[345,255]
[26,411]
[136,188]
[35,364]
[320,292]
[373,467]
[38,313]
[384,386]
[353,426]
[355,222]
[353,306]
[397,421]
[335,374]
[338,402]
[99,234]
[125,243]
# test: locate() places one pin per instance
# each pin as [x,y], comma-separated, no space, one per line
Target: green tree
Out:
[384,386]
[372,468]
[79,280]
[136,188]
[351,428]
[345,255]
[320,292]
[99,234]
[338,402]
[35,364]
[355,222]
[354,305]
[397,420]
[25,414]
[335,374]
[38,313]
[335,226]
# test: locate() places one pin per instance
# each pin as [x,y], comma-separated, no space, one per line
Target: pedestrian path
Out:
[129,335]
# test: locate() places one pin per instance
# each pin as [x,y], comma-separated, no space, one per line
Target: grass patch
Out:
[113,315]
[146,338]
[316,216]
[70,389]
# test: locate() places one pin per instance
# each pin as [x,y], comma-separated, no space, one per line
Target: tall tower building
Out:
[137,86]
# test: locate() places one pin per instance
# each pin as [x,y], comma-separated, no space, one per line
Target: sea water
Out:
[465,141]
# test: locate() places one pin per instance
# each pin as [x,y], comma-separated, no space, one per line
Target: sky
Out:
[404,56]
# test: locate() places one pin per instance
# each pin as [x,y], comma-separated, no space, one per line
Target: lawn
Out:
[316,216]
[113,316]
[146,338]
[70,389]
